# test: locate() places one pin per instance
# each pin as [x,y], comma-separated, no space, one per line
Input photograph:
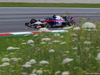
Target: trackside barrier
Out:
[30,33]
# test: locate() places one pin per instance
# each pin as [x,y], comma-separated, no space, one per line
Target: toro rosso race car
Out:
[54,21]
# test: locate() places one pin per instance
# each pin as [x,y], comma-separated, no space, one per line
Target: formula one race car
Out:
[54,21]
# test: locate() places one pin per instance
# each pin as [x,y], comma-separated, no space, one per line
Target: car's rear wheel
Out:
[46,25]
[26,24]
[36,27]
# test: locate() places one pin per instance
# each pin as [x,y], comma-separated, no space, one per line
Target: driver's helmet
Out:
[58,17]
[71,18]
[54,16]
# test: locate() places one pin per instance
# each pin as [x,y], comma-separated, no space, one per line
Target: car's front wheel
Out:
[72,23]
[63,24]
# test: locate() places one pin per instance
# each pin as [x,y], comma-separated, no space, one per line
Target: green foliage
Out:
[65,45]
[76,5]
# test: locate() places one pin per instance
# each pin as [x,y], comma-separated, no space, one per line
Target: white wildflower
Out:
[56,34]
[11,48]
[87,48]
[1,65]
[76,67]
[43,62]
[33,74]
[91,29]
[87,42]
[66,28]
[57,72]
[56,41]
[61,36]
[67,60]
[50,43]
[6,55]
[65,73]
[43,43]
[5,59]
[26,65]
[16,48]
[15,59]
[51,50]
[32,61]
[35,35]
[24,73]
[24,43]
[98,57]
[46,39]
[43,29]
[12,70]
[19,58]
[67,52]
[39,72]
[76,28]
[32,45]
[88,25]
[5,64]
[73,34]
[94,29]
[75,48]
[30,41]
[63,42]
[11,53]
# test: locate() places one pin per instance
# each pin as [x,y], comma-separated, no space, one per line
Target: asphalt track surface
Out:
[13,19]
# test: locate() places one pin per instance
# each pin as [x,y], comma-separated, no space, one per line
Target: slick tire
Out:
[26,24]
[72,23]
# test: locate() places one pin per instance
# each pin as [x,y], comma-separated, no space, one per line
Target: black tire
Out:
[67,23]
[63,24]
[36,27]
[72,23]
[47,26]
[33,20]
[26,24]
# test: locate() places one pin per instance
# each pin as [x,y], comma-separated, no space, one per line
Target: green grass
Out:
[68,46]
[67,5]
